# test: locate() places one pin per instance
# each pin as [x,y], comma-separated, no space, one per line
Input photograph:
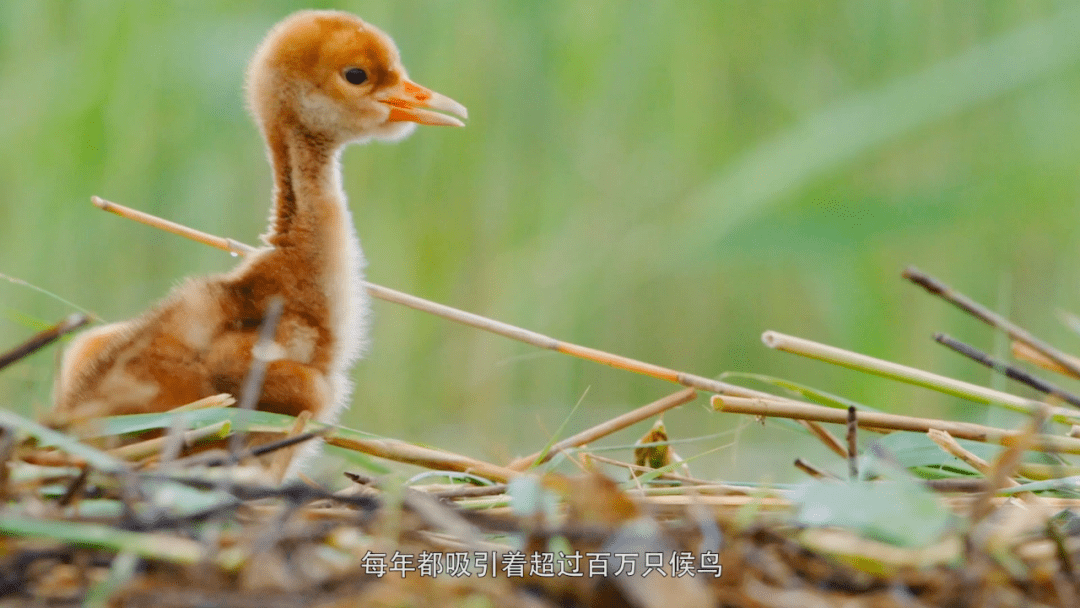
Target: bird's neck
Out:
[313,241]
[308,200]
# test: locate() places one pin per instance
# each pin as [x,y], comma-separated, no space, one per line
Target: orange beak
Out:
[407,104]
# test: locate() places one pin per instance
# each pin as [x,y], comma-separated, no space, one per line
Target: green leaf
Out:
[241,420]
[916,452]
[1064,485]
[901,513]
[529,497]
[26,320]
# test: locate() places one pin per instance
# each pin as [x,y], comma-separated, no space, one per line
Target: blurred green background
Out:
[663,180]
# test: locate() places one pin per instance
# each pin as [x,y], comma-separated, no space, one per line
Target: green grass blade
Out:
[48,437]
[96,536]
[817,396]
[558,432]
[52,295]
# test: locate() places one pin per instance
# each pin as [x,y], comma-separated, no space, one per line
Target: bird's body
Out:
[320,80]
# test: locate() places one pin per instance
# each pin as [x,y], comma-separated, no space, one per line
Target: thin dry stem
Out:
[813,471]
[280,463]
[606,428]
[1008,461]
[219,400]
[465,491]
[152,447]
[260,359]
[946,442]
[826,437]
[399,451]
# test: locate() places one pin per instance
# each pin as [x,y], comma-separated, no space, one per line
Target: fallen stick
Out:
[606,428]
[897,422]
[456,315]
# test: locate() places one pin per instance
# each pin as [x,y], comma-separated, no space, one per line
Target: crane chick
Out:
[318,82]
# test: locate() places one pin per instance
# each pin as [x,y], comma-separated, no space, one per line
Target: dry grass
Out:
[103,516]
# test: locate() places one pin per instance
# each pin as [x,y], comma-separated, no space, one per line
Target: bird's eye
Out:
[356,76]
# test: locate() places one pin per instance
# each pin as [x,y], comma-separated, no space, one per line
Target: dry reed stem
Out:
[1007,462]
[225,244]
[1023,352]
[826,437]
[725,501]
[606,428]
[399,451]
[152,447]
[456,315]
[715,489]
[956,484]
[282,458]
[813,471]
[946,442]
[219,400]
[990,317]
[897,422]
[464,491]
[910,375]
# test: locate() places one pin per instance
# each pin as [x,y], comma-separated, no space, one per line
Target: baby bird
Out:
[319,81]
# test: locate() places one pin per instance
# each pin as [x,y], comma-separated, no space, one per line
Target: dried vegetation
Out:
[178,509]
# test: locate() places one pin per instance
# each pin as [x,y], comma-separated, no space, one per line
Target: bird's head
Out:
[334,77]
